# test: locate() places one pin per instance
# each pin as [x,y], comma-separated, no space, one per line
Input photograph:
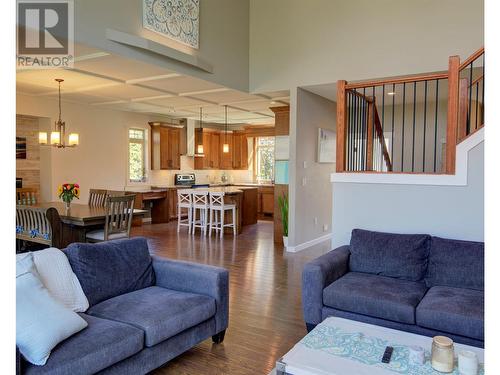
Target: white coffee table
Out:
[339,346]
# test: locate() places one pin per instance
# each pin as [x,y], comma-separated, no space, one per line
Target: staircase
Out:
[410,124]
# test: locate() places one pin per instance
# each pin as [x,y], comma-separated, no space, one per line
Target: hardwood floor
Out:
[265,312]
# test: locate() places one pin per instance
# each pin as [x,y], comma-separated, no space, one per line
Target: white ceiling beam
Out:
[201,92]
[151,78]
[92,56]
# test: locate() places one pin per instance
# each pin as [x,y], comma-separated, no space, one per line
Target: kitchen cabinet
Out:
[165,147]
[215,150]
[226,161]
[240,150]
[266,202]
[172,204]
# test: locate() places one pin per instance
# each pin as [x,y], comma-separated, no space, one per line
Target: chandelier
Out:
[58,136]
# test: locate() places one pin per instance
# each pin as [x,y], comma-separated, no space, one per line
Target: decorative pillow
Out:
[55,273]
[402,256]
[456,263]
[24,263]
[111,268]
[41,321]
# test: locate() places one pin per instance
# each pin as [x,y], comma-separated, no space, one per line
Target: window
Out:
[264,152]
[137,155]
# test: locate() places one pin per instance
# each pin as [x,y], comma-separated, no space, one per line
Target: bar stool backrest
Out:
[184,197]
[200,198]
[217,199]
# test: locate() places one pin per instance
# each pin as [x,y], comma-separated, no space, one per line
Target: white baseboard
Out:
[308,244]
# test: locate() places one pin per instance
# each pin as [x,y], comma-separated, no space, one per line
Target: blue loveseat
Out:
[411,282]
[143,311]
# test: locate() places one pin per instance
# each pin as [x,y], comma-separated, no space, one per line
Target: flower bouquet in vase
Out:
[67,192]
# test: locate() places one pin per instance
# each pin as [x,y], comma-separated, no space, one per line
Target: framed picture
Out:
[176,19]
[327,146]
[20,148]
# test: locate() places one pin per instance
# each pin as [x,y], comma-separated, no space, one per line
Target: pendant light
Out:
[57,137]
[225,145]
[199,147]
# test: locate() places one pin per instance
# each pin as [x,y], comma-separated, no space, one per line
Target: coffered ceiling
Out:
[101,79]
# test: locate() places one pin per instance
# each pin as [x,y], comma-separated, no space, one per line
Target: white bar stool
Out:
[219,208]
[201,206]
[184,201]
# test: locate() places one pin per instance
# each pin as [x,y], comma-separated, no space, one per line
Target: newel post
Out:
[341,125]
[453,101]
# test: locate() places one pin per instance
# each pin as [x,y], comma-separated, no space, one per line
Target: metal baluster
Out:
[392,131]
[413,135]
[425,125]
[349,133]
[383,136]
[470,98]
[482,95]
[373,127]
[477,102]
[363,132]
[435,123]
[403,129]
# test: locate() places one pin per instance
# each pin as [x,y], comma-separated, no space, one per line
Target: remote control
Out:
[387,354]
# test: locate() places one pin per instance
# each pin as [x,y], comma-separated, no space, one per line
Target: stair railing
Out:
[415,120]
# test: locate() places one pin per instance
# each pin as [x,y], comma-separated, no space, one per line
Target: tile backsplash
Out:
[162,177]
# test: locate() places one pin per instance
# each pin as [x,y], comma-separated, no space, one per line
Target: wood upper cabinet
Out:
[202,137]
[215,150]
[165,147]
[240,150]
[212,141]
[226,160]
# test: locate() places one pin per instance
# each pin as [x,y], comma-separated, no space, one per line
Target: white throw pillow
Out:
[41,321]
[55,273]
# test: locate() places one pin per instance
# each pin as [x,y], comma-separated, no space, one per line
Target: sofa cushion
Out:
[456,263]
[403,256]
[111,268]
[161,313]
[453,310]
[373,295]
[102,344]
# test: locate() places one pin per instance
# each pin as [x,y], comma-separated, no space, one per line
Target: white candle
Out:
[467,363]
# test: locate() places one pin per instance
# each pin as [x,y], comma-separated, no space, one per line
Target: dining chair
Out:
[26,196]
[184,201]
[200,206]
[35,225]
[119,213]
[218,208]
[97,197]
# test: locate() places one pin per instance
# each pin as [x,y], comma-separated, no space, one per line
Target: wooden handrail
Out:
[476,80]
[380,135]
[453,104]
[471,58]
[398,80]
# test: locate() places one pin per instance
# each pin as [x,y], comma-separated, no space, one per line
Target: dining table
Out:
[79,219]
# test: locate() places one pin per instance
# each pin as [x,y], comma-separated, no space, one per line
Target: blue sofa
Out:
[411,282]
[143,311]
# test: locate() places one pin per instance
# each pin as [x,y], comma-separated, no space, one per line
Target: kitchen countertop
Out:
[161,188]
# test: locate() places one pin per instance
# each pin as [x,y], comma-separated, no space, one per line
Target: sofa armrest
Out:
[199,279]
[316,276]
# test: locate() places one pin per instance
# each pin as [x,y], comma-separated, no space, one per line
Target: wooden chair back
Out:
[119,214]
[40,225]
[97,197]
[26,196]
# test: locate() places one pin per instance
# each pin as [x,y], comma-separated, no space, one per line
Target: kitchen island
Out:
[163,202]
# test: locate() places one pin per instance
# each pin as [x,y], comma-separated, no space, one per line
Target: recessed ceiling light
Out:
[273,102]
[391,93]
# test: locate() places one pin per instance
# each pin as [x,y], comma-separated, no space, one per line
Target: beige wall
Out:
[297,42]
[314,199]
[224,36]
[100,161]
